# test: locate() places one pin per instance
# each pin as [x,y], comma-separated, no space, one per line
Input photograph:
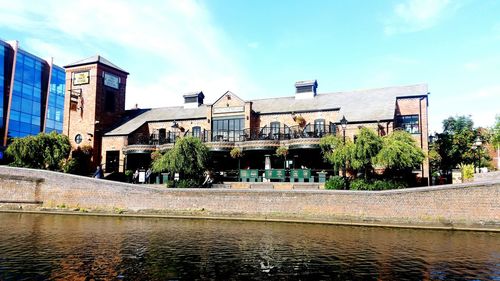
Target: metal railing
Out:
[249,134]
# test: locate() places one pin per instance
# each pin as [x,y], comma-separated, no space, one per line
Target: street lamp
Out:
[343,123]
[474,147]
[478,143]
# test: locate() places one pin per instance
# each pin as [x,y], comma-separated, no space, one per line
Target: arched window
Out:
[275,130]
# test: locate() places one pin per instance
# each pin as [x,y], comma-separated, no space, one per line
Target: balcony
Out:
[250,138]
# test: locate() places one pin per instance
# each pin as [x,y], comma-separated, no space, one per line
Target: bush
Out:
[467,171]
[335,182]
[70,166]
[360,184]
[187,183]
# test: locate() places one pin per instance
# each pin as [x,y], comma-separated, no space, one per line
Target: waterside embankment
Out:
[463,206]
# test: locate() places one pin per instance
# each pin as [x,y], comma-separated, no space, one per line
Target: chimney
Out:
[305,89]
[193,100]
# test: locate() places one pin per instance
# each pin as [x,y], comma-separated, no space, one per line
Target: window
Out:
[408,123]
[109,104]
[333,128]
[275,130]
[227,129]
[196,132]
[319,127]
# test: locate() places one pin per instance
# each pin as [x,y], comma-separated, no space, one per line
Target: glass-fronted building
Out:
[31,94]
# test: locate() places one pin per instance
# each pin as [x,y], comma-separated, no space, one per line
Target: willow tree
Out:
[188,157]
[43,151]
[399,152]
[368,144]
[337,152]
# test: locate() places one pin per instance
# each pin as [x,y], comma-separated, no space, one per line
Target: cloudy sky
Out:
[259,48]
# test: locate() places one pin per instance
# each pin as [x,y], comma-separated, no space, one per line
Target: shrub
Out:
[335,182]
[187,183]
[360,184]
[467,171]
[70,166]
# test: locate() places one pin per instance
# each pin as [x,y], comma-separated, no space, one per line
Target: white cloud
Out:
[416,15]
[189,51]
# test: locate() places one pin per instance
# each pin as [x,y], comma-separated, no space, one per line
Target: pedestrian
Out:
[148,175]
[98,173]
[135,178]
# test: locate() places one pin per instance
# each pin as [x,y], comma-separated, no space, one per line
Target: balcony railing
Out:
[250,134]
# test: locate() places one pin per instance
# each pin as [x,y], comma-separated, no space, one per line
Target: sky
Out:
[260,48]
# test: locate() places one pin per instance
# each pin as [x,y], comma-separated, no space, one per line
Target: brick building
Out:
[95,116]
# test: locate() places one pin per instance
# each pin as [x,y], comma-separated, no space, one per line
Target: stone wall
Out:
[465,205]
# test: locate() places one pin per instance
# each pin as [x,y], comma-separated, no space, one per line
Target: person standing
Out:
[98,173]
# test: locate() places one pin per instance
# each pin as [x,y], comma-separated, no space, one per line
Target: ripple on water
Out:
[65,247]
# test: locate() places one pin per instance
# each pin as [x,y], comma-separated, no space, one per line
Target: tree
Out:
[282,151]
[454,145]
[496,138]
[366,147]
[336,152]
[399,152]
[43,151]
[236,153]
[188,157]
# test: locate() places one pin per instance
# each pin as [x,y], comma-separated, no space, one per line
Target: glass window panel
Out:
[26,118]
[51,123]
[27,91]
[25,127]
[26,105]
[36,108]
[59,115]
[59,127]
[35,129]
[16,103]
[37,94]
[15,115]
[35,120]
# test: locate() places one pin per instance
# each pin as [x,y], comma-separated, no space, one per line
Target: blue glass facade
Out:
[2,82]
[26,100]
[55,108]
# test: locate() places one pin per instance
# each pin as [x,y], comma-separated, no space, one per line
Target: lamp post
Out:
[474,147]
[478,143]
[343,123]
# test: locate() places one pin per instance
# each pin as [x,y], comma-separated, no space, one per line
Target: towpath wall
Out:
[464,205]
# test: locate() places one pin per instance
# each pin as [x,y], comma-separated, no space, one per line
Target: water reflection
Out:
[56,247]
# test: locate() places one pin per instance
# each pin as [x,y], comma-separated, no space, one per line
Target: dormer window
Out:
[193,100]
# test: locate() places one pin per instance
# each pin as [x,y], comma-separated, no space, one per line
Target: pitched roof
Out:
[157,114]
[356,106]
[95,59]
[360,105]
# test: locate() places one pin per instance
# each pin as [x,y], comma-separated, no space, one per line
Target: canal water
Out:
[60,247]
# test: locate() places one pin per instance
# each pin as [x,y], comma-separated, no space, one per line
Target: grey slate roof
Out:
[360,105]
[158,114]
[95,59]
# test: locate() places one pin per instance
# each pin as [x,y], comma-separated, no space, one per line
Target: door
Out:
[112,161]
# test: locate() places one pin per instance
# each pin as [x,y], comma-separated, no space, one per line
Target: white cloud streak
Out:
[415,15]
[188,50]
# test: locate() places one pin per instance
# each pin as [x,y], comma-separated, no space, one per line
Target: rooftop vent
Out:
[193,100]
[305,89]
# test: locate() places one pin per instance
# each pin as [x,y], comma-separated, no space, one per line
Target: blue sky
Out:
[258,49]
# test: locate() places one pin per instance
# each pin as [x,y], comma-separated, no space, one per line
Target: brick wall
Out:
[470,205]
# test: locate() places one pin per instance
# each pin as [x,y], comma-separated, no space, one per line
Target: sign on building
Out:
[111,80]
[81,78]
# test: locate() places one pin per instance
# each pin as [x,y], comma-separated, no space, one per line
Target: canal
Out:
[61,247]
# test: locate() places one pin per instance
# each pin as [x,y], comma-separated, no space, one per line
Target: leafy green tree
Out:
[495,139]
[336,152]
[43,151]
[188,157]
[367,146]
[399,152]
[454,145]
